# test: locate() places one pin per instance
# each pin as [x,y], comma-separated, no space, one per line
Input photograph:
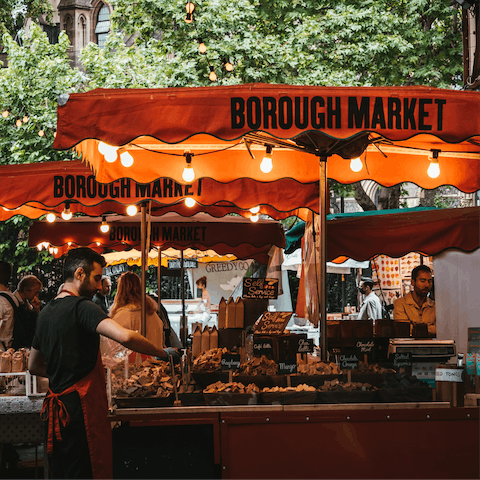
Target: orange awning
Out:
[394,129]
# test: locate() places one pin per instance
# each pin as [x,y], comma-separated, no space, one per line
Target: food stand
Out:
[394,130]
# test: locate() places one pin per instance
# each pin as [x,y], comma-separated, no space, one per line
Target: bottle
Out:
[347,308]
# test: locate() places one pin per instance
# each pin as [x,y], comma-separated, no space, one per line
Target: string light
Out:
[188,174]
[190,202]
[132,210]
[67,214]
[25,119]
[267,165]
[190,7]
[41,133]
[212,76]
[434,167]
[255,210]
[126,158]
[18,123]
[254,218]
[51,217]
[104,227]
[45,245]
[5,113]
[356,164]
[202,48]
[108,151]
[228,67]
[39,247]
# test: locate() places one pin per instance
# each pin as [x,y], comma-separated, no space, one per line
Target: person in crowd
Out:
[127,309]
[202,285]
[169,334]
[66,350]
[101,297]
[371,308]
[6,310]
[417,307]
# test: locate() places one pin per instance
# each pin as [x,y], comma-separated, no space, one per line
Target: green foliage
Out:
[14,12]
[37,73]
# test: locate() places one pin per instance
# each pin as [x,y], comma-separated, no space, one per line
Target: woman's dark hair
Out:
[202,280]
[83,257]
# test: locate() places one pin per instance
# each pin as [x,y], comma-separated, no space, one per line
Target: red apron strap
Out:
[54,411]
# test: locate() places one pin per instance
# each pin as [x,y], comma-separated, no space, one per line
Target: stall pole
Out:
[159,275]
[144,260]
[183,322]
[322,260]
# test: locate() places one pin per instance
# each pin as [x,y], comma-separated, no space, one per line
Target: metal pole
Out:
[183,323]
[144,262]
[322,260]
[159,275]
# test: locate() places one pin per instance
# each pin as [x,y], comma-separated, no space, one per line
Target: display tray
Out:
[191,399]
[227,398]
[315,380]
[262,380]
[288,398]
[355,396]
[144,402]
[412,394]
[371,378]
[204,379]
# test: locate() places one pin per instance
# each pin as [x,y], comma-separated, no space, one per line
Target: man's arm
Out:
[36,363]
[128,338]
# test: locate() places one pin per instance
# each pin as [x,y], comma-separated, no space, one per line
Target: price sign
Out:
[365,346]
[402,360]
[262,346]
[260,288]
[348,362]
[230,361]
[287,368]
[187,263]
[272,323]
[305,345]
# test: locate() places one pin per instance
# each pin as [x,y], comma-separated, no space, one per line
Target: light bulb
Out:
[51,217]
[132,210]
[18,123]
[434,168]
[190,202]
[104,227]
[212,76]
[108,151]
[228,67]
[190,7]
[126,159]
[110,156]
[41,133]
[356,164]
[267,165]
[45,245]
[39,247]
[5,113]
[255,209]
[67,214]
[50,250]
[25,119]
[188,174]
[69,243]
[254,218]
[202,48]
[188,18]
[55,250]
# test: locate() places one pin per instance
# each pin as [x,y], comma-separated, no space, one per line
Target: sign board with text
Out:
[402,360]
[287,368]
[187,263]
[230,361]
[305,345]
[260,288]
[272,323]
[348,362]
[262,346]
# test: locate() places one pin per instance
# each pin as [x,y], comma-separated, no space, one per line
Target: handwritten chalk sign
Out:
[262,346]
[287,368]
[365,346]
[115,269]
[260,288]
[402,360]
[305,345]
[348,362]
[230,361]
[272,323]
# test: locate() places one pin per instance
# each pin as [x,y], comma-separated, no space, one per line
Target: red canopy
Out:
[45,187]
[394,129]
[229,235]
[428,232]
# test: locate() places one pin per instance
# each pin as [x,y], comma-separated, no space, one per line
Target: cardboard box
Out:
[231,337]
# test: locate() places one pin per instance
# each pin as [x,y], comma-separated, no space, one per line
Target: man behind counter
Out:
[417,307]
[371,308]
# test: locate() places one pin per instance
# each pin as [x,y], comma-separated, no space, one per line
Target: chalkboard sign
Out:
[262,346]
[402,359]
[305,345]
[272,323]
[230,361]
[260,288]
[365,346]
[348,362]
[187,263]
[115,269]
[287,368]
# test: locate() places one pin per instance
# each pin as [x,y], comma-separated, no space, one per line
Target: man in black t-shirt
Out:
[66,350]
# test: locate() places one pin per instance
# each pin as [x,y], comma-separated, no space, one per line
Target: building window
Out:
[83,31]
[103,25]
[52,32]
[68,27]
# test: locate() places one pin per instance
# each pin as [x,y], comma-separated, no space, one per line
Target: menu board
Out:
[260,288]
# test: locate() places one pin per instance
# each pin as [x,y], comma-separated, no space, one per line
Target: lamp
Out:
[104,227]
[202,48]
[5,113]
[255,210]
[108,151]
[67,214]
[132,210]
[51,217]
[434,167]
[228,67]
[356,164]
[212,76]
[267,165]
[188,174]
[254,218]
[126,158]
[190,202]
